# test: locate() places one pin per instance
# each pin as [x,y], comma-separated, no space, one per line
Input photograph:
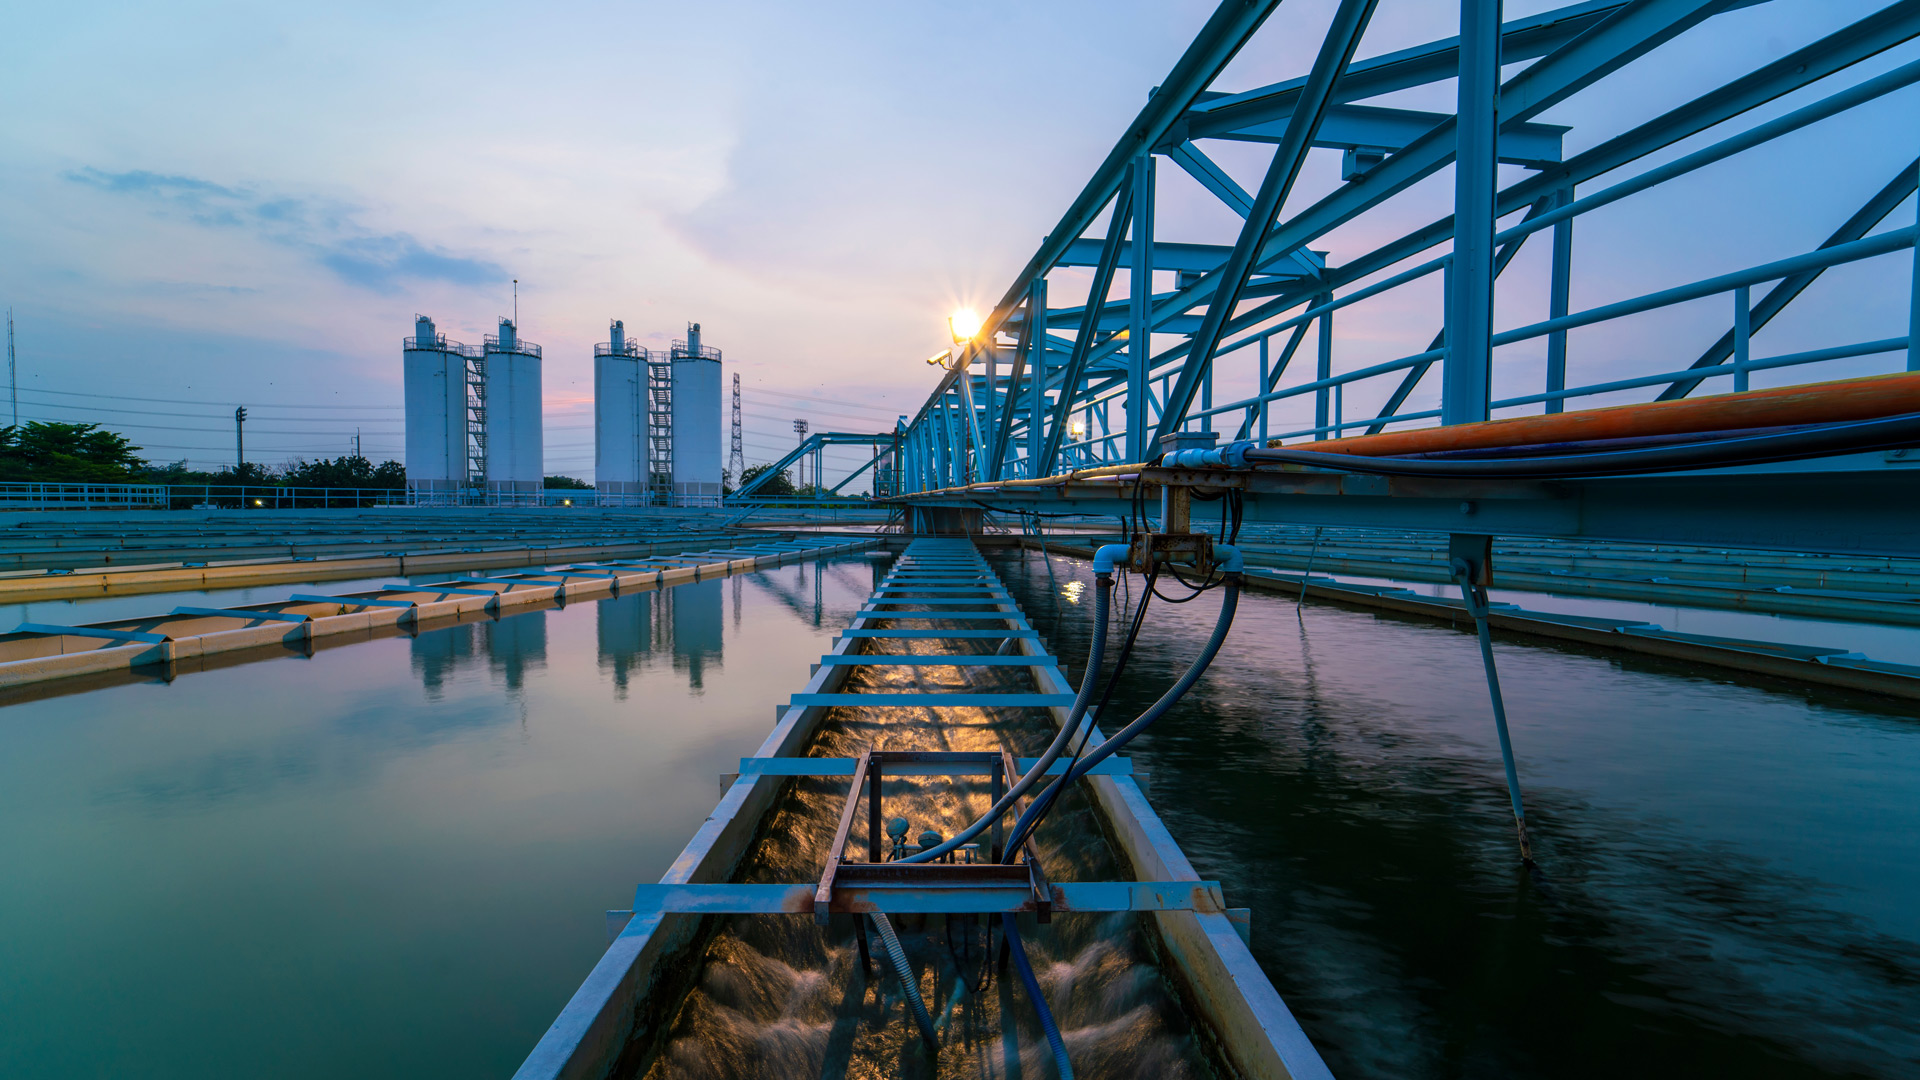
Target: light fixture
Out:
[566,502]
[1076,429]
[964,325]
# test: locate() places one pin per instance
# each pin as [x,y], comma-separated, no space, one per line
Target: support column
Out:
[1324,368]
[1742,336]
[1557,301]
[1140,307]
[991,354]
[1467,371]
[1470,557]
[1036,374]
[1266,374]
[1913,305]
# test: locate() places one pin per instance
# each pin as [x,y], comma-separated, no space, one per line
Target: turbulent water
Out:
[779,997]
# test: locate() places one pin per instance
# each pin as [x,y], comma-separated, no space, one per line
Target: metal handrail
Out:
[1873,246]
[439,343]
[627,348]
[525,348]
[705,352]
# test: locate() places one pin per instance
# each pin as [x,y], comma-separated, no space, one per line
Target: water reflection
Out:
[698,626]
[623,635]
[516,645]
[438,654]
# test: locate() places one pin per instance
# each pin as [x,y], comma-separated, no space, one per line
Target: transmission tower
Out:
[12,375]
[737,460]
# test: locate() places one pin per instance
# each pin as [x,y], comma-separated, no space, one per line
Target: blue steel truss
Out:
[1044,389]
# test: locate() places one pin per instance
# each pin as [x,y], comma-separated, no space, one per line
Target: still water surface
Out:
[1730,870]
[391,859]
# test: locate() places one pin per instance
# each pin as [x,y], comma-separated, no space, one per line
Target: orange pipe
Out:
[1819,403]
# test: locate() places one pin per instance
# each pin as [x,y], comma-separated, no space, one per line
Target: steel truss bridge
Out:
[1062,408]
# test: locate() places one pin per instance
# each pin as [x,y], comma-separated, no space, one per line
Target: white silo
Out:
[434,373]
[696,422]
[514,451]
[619,419]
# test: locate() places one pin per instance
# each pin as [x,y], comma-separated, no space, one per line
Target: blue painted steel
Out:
[237,613]
[843,766]
[1214,311]
[440,590]
[939,600]
[350,601]
[916,700]
[1068,897]
[937,616]
[955,634]
[950,660]
[92,632]
[508,582]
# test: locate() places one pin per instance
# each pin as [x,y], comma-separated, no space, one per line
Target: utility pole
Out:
[800,429]
[13,382]
[737,459]
[356,443]
[239,440]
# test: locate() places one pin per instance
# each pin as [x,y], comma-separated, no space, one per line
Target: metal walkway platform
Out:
[1201,940]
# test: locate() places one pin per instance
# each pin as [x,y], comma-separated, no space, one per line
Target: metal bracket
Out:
[1193,550]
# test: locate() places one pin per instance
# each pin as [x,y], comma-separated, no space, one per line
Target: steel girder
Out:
[1148,356]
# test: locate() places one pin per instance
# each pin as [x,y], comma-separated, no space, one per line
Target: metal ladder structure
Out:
[660,433]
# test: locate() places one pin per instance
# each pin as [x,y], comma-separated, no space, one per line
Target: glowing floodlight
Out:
[964,325]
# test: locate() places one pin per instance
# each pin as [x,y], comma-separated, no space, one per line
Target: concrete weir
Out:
[44,653]
[620,1005]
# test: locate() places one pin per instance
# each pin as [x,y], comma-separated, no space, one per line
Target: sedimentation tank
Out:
[696,421]
[514,448]
[435,375]
[619,419]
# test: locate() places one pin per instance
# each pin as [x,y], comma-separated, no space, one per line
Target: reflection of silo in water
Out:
[517,644]
[698,623]
[624,632]
[437,654]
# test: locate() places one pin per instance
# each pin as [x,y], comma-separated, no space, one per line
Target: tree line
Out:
[58,453]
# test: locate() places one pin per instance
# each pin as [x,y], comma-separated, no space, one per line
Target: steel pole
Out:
[1557,301]
[1140,307]
[1467,369]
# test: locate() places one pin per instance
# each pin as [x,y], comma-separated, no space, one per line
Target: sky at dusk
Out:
[205,205]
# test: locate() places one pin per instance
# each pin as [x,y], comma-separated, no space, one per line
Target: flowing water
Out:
[778,997]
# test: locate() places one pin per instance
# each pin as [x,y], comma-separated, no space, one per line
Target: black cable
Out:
[986,956]
[983,504]
[1052,791]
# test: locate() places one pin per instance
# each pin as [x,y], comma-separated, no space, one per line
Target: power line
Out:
[209,416]
[170,427]
[197,401]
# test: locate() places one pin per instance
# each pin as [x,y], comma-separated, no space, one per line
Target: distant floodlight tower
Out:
[620,419]
[513,427]
[800,431]
[435,377]
[696,421]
